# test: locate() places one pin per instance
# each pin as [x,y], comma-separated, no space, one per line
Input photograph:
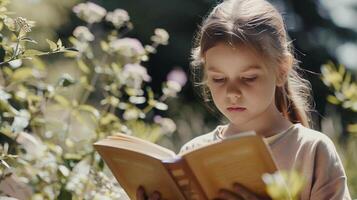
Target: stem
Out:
[87,91]
[147,109]
[2,78]
[69,118]
[7,61]
[93,80]
[16,57]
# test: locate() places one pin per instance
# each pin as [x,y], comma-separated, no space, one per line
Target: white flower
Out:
[82,33]
[137,99]
[99,196]
[134,74]
[131,114]
[21,121]
[118,17]
[275,178]
[128,47]
[4,96]
[79,176]
[89,12]
[168,126]
[171,89]
[161,36]
[15,63]
[33,146]
[24,24]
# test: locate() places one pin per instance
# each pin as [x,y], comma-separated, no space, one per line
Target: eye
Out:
[249,79]
[218,80]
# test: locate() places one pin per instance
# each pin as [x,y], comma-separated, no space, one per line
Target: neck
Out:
[269,123]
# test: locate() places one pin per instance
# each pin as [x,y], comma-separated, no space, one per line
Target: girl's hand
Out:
[141,195]
[239,193]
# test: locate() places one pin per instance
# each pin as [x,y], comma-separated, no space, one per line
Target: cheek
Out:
[262,91]
[215,92]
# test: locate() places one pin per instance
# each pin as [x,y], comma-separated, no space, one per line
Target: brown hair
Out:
[258,25]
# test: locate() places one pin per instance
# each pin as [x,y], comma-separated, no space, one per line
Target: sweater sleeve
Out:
[329,180]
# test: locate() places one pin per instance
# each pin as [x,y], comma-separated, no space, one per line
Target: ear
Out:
[283,70]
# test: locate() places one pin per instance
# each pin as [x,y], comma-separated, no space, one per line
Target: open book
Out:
[197,174]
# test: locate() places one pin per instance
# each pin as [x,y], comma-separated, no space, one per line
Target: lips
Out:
[236,109]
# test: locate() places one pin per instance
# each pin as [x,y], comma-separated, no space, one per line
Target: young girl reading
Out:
[244,63]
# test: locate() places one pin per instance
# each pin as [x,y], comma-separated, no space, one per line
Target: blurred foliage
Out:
[50,131]
[344,89]
[344,95]
[56,118]
[284,185]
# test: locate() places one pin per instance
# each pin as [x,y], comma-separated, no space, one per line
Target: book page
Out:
[132,169]
[132,143]
[243,160]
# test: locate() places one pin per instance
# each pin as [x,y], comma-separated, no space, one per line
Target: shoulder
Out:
[302,144]
[318,146]
[314,154]
[200,140]
[310,137]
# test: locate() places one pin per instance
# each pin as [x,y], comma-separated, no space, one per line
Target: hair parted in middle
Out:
[258,25]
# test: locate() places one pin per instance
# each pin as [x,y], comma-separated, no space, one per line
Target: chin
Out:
[239,120]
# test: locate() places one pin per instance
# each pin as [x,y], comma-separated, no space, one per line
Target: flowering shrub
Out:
[344,95]
[49,126]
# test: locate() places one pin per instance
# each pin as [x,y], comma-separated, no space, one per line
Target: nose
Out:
[233,92]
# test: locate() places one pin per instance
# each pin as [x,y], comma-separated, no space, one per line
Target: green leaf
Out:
[70,49]
[28,39]
[333,100]
[341,69]
[62,100]
[150,93]
[53,46]
[10,23]
[32,52]
[352,128]
[66,80]
[83,67]
[22,73]
[90,109]
[59,43]
[104,45]
[38,63]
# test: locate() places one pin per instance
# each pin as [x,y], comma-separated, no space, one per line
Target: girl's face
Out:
[241,85]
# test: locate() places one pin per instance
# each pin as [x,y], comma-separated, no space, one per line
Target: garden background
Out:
[73,72]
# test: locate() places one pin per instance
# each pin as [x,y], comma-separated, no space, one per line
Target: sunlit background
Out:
[324,33]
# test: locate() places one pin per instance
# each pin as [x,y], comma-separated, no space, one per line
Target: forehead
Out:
[241,57]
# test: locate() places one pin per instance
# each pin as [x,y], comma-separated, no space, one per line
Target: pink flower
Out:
[177,75]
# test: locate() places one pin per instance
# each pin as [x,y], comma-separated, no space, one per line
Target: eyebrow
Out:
[247,68]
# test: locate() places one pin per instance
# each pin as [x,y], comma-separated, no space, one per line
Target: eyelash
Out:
[218,80]
[245,79]
[249,79]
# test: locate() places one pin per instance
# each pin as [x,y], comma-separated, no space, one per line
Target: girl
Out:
[244,63]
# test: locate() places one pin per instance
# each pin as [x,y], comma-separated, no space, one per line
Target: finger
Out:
[155,196]
[244,192]
[228,195]
[140,193]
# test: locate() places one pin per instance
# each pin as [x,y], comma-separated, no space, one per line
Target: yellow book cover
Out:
[196,174]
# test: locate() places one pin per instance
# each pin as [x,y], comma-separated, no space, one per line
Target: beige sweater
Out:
[310,152]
